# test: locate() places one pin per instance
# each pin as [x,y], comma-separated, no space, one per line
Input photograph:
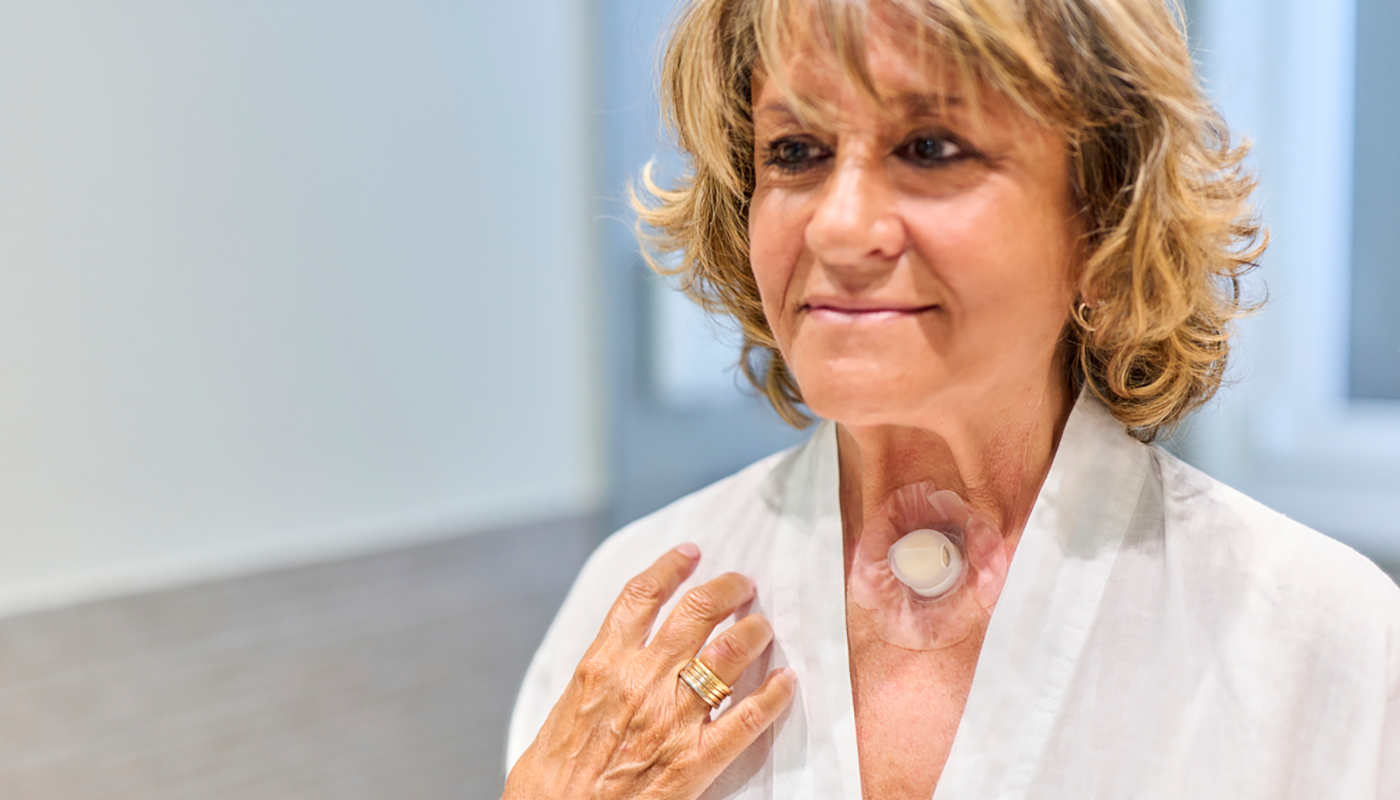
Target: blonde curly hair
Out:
[1170,229]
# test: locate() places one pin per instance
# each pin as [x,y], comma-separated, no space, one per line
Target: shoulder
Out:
[1285,569]
[719,517]
[1300,628]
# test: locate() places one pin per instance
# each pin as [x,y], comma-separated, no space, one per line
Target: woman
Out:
[996,246]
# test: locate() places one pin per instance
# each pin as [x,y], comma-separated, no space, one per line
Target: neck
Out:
[995,454]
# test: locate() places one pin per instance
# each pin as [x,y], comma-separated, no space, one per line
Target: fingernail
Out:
[689,550]
[787,672]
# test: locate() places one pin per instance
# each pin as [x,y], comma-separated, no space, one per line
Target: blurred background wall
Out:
[326,356]
[282,280]
[295,298]
[1310,424]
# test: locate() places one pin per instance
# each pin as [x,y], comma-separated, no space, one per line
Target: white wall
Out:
[280,280]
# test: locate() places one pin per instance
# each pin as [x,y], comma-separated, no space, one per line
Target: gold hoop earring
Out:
[1080,313]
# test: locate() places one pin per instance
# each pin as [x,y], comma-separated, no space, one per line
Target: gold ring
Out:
[705,683]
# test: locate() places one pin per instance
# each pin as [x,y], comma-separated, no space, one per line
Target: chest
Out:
[908,705]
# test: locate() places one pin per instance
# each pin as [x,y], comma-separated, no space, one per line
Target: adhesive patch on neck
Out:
[926,571]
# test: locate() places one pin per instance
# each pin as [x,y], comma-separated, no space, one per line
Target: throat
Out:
[886,599]
[908,705]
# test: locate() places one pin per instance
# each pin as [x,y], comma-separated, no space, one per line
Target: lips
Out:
[863,312]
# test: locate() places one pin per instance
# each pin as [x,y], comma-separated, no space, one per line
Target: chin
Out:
[861,397]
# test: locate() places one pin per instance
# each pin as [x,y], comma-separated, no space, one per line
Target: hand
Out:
[627,727]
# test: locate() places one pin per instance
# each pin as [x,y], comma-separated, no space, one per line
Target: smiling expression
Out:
[918,258]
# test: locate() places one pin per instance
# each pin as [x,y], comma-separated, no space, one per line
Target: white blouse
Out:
[1159,635]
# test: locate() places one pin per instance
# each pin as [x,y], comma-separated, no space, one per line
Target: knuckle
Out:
[751,718]
[634,691]
[729,649]
[643,590]
[590,672]
[702,603]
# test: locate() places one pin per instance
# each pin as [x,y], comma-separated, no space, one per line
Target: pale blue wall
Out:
[1375,295]
[281,279]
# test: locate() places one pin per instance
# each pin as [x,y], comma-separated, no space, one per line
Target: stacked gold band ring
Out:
[705,683]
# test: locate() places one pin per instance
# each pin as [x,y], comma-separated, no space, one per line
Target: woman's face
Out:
[910,263]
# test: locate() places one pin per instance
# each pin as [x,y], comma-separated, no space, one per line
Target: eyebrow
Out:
[777,107]
[912,104]
[916,104]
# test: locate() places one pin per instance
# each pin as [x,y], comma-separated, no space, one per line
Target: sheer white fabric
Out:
[1159,636]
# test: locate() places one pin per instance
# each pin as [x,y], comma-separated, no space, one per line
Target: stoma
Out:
[899,615]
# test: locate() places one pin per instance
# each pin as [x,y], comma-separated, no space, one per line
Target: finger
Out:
[633,613]
[731,652]
[738,727]
[689,624]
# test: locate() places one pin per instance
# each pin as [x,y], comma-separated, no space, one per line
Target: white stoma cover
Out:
[1157,635]
[929,562]
[926,571]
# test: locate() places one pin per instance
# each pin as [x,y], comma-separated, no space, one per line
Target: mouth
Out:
[860,313]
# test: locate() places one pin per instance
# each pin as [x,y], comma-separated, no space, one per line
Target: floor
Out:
[384,676]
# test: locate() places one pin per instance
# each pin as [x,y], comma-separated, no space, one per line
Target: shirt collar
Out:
[1033,642]
[1048,605]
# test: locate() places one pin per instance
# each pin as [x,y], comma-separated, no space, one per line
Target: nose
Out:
[855,227]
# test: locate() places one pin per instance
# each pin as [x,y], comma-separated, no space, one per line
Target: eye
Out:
[793,154]
[931,150]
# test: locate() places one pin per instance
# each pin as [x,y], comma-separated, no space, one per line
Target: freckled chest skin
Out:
[908,705]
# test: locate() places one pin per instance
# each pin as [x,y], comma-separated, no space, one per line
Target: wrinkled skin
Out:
[626,726]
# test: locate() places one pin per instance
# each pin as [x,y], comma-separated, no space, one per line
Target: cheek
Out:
[776,235]
[1006,259]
